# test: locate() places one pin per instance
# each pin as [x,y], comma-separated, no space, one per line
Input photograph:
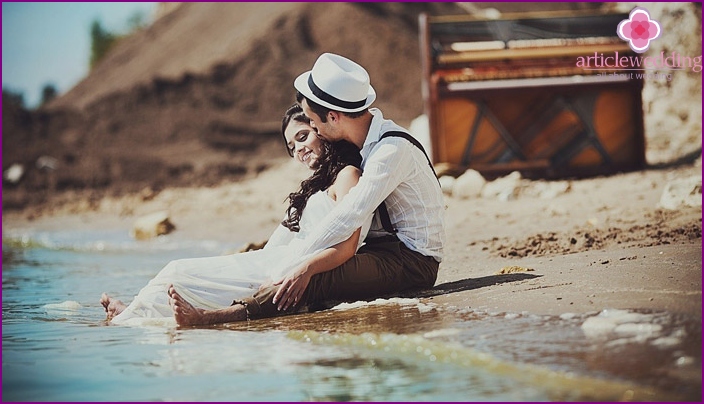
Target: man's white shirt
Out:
[398,172]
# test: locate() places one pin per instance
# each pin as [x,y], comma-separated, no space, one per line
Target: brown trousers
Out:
[381,267]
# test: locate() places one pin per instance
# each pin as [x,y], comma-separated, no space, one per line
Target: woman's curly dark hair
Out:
[334,157]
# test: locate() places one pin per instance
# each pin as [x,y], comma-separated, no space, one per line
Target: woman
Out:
[214,282]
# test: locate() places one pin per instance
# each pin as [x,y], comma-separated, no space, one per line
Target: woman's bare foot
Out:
[186,314]
[112,306]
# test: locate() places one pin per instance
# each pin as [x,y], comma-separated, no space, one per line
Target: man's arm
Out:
[294,284]
[386,167]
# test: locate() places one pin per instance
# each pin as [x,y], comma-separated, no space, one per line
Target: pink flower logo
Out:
[638,30]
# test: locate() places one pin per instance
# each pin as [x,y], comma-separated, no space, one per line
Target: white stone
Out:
[504,188]
[682,192]
[14,173]
[152,225]
[469,185]
[447,184]
[47,163]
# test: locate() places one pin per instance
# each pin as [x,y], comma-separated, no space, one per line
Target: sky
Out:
[49,43]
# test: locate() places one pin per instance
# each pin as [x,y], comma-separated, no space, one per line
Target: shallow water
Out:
[57,346]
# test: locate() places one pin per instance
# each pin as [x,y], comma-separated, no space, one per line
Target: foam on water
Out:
[415,303]
[625,327]
[116,241]
[69,305]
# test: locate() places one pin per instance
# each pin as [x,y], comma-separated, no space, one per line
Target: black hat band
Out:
[333,100]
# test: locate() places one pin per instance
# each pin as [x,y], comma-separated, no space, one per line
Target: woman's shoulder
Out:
[351,172]
[346,179]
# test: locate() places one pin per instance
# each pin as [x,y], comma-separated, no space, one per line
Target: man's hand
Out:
[291,288]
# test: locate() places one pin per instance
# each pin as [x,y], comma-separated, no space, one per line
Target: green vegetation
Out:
[10,97]
[103,40]
[49,92]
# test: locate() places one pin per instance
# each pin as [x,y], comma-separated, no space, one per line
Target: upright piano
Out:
[509,94]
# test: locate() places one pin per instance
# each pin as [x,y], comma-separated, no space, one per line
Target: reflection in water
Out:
[423,366]
[399,316]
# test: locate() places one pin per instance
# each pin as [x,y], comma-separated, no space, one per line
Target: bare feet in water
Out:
[113,307]
[186,314]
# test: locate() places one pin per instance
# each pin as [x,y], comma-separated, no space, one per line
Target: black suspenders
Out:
[383,212]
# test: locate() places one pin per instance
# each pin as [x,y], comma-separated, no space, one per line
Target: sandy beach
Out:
[574,246]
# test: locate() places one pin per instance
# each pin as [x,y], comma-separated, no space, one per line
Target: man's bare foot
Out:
[184,312]
[112,306]
[187,315]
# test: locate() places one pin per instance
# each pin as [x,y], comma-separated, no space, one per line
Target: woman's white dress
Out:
[214,282]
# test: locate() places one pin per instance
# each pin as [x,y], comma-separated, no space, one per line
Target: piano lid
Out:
[526,26]
[461,35]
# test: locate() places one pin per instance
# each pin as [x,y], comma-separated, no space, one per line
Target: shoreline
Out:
[600,243]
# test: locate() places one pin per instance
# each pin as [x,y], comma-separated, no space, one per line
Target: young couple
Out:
[331,246]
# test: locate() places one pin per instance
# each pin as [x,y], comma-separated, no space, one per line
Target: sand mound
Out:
[196,98]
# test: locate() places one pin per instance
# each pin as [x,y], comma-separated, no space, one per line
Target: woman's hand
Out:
[292,287]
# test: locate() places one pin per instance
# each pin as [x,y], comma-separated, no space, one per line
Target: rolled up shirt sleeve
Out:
[386,167]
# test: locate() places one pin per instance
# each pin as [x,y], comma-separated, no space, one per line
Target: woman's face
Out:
[303,142]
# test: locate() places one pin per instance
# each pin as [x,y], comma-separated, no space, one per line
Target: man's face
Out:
[323,128]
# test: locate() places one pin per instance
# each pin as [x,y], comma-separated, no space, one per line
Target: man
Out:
[336,95]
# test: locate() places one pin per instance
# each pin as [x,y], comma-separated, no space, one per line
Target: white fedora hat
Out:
[337,83]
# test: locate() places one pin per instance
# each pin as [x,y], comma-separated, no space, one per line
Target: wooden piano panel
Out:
[559,132]
[457,116]
[566,131]
[617,121]
[518,112]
